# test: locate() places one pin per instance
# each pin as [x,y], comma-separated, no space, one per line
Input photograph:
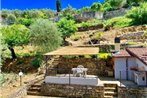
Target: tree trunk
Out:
[12,53]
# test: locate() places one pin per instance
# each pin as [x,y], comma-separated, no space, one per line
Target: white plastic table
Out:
[80,71]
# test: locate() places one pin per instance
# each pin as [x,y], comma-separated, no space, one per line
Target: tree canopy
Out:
[15,35]
[45,35]
[67,27]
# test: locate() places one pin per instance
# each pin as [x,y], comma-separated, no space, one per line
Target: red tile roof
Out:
[121,53]
[140,53]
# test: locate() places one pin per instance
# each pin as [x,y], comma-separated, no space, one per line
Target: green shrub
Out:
[98,35]
[25,21]
[85,24]
[19,62]
[36,62]
[138,14]
[67,27]
[119,22]
[75,37]
[104,55]
[87,56]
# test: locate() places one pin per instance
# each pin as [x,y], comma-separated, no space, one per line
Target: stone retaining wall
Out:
[95,67]
[115,13]
[60,90]
[132,92]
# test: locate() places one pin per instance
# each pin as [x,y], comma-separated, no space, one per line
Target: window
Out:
[143,78]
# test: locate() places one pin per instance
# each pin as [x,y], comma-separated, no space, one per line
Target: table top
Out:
[75,69]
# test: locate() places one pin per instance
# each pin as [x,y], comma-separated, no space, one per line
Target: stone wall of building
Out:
[115,13]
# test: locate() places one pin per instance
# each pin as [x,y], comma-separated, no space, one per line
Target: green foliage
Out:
[68,13]
[58,5]
[98,35]
[85,24]
[19,62]
[5,13]
[89,23]
[138,14]
[119,22]
[45,35]
[17,13]
[11,19]
[25,21]
[67,27]
[104,55]
[75,37]
[15,35]
[36,62]
[135,2]
[107,6]
[117,3]
[97,6]
[84,9]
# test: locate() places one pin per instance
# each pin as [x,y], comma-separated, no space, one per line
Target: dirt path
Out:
[10,88]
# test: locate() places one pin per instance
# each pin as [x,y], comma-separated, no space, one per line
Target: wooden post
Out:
[120,78]
[46,66]
[146,78]
[69,78]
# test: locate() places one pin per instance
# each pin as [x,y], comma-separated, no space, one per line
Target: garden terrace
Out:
[74,51]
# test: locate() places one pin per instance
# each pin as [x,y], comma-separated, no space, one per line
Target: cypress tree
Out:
[58,5]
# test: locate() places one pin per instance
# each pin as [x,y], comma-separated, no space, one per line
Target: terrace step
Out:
[110,90]
[108,96]
[110,93]
[35,89]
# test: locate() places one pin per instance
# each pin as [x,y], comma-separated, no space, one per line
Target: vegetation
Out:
[119,22]
[45,35]
[58,5]
[68,13]
[67,27]
[138,14]
[15,35]
[96,6]
[36,62]
[117,3]
[104,55]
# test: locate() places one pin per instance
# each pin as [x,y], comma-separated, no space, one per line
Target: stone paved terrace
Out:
[107,80]
[124,83]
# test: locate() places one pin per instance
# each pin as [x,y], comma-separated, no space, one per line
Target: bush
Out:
[25,21]
[85,24]
[104,55]
[75,37]
[138,14]
[67,27]
[119,22]
[36,62]
[19,62]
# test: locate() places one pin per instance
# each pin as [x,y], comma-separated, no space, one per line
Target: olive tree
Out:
[96,6]
[11,19]
[15,35]
[117,3]
[45,35]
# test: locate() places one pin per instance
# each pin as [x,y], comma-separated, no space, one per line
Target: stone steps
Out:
[108,96]
[110,90]
[35,89]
